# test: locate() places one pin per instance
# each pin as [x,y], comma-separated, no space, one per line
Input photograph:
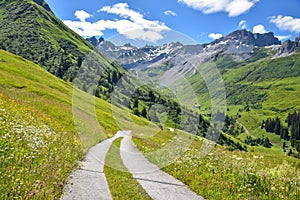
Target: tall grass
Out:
[224,174]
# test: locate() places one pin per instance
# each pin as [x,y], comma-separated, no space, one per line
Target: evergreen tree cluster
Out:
[231,127]
[293,121]
[275,126]
[224,140]
[264,141]
[142,100]
[290,133]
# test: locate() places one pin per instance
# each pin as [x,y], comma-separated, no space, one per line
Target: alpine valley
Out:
[61,94]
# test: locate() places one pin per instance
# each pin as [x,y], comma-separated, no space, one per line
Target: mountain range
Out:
[240,42]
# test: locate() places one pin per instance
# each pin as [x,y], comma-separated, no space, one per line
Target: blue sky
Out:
[189,21]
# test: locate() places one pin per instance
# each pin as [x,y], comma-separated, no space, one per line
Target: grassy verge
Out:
[36,153]
[121,183]
[226,174]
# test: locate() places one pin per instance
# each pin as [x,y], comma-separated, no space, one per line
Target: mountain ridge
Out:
[240,42]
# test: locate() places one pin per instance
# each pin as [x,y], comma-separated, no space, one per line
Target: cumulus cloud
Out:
[286,23]
[243,24]
[259,29]
[170,13]
[131,24]
[82,15]
[215,35]
[283,37]
[85,29]
[232,7]
[123,10]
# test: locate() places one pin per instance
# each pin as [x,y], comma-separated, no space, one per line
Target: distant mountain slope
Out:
[260,75]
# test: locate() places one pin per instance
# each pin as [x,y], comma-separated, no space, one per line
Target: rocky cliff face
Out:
[265,39]
[248,38]
[289,46]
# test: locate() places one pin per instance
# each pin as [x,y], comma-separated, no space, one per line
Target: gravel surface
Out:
[89,182]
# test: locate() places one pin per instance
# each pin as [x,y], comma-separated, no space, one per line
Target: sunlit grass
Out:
[36,153]
[224,174]
[40,144]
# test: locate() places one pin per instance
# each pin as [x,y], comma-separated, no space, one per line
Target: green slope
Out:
[30,29]
[224,174]
[256,89]
[39,143]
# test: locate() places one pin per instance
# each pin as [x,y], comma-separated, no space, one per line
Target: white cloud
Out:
[85,29]
[215,35]
[132,24]
[283,37]
[82,15]
[259,29]
[286,23]
[123,10]
[232,7]
[243,24]
[170,13]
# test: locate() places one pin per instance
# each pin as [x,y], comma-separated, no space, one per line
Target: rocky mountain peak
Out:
[128,45]
[248,38]
[289,46]
[297,39]
[265,39]
[93,40]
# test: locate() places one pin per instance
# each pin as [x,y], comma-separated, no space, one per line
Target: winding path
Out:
[245,128]
[89,181]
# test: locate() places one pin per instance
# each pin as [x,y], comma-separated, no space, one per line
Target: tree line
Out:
[291,132]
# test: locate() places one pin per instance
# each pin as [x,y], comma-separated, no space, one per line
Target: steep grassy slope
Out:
[31,30]
[39,143]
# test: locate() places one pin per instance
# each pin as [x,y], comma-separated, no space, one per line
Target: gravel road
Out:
[89,182]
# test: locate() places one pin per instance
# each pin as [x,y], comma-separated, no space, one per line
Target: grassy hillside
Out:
[31,30]
[256,89]
[264,89]
[224,174]
[39,143]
